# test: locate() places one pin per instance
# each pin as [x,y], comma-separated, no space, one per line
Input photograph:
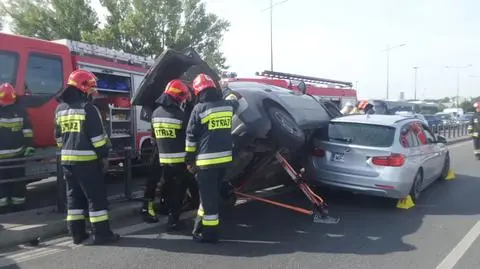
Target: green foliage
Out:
[144,27]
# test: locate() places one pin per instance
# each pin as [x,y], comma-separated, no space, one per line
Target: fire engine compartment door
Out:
[111,80]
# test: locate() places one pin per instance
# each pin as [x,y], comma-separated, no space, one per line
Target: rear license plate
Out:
[338,157]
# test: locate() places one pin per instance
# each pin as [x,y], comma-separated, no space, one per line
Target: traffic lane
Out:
[463,159]
[470,260]
[370,235]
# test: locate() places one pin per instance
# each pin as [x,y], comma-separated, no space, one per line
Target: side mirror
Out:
[441,139]
[302,87]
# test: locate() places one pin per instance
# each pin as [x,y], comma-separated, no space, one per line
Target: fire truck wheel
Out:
[285,131]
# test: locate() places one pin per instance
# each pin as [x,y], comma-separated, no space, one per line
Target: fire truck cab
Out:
[38,70]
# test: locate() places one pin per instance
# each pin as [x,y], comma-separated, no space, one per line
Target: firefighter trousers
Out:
[175,177]
[13,193]
[209,185]
[153,178]
[86,195]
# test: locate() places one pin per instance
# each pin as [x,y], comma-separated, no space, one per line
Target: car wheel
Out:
[416,189]
[446,167]
[285,131]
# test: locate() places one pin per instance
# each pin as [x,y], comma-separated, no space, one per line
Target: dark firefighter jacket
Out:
[168,125]
[474,127]
[15,132]
[79,130]
[209,134]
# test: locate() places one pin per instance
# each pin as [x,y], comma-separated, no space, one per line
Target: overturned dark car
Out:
[269,120]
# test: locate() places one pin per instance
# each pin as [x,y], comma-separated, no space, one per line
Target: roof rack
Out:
[114,55]
[281,75]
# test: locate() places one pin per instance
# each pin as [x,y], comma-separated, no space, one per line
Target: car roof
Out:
[387,120]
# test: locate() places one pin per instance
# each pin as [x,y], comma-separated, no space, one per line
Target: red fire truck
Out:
[338,92]
[38,69]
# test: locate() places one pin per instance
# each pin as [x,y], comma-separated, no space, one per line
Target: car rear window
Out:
[361,134]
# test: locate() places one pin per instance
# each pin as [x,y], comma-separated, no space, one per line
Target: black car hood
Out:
[171,64]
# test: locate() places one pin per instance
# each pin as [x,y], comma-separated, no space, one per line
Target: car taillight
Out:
[394,160]
[318,152]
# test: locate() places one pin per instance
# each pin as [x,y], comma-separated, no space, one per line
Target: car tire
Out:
[446,167]
[285,131]
[416,189]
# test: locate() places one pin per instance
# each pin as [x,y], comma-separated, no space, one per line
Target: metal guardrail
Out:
[450,131]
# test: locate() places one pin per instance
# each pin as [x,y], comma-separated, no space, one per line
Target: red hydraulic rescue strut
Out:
[320,207]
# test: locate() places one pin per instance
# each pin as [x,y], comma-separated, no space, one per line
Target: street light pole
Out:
[415,68]
[272,5]
[388,49]
[458,79]
[271,35]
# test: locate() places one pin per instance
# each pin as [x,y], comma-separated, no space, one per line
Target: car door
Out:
[439,151]
[427,150]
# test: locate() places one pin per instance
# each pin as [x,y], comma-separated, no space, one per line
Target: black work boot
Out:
[102,234]
[148,212]
[173,223]
[77,230]
[208,235]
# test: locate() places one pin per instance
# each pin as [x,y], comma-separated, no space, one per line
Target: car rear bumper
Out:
[376,186]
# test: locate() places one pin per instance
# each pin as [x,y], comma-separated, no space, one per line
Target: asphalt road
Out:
[439,233]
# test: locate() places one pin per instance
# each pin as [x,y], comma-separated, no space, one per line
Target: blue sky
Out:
[344,39]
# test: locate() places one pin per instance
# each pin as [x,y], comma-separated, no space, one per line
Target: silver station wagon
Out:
[382,155]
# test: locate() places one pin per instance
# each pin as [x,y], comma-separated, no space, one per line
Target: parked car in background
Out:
[390,156]
[412,115]
[465,118]
[446,118]
[433,120]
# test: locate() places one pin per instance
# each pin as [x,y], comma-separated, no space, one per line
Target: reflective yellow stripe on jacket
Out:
[165,128]
[12,123]
[171,158]
[214,158]
[78,155]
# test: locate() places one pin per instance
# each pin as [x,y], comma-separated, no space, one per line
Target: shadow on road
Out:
[369,226]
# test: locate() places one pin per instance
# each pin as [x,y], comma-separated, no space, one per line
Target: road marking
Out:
[458,144]
[461,248]
[64,243]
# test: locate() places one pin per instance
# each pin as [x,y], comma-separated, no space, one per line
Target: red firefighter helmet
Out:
[7,94]
[178,90]
[83,80]
[202,82]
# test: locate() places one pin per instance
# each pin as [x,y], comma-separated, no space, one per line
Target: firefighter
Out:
[16,140]
[209,148]
[168,124]
[84,150]
[474,129]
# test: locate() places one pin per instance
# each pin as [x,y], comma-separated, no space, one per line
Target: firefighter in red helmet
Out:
[169,120]
[84,150]
[16,141]
[209,148]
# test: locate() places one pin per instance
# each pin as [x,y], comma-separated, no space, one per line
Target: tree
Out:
[147,27]
[144,27]
[51,19]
